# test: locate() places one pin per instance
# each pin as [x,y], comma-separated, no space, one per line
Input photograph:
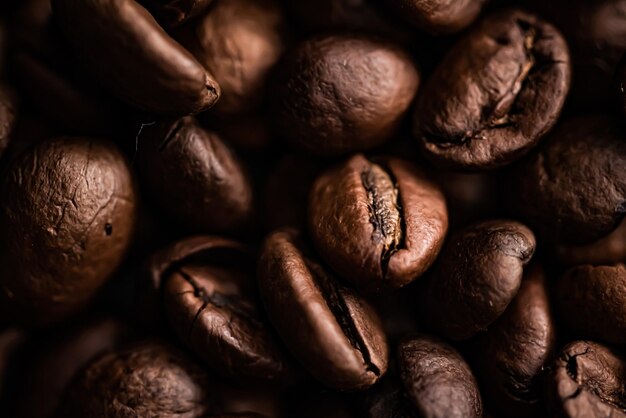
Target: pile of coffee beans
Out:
[312,208]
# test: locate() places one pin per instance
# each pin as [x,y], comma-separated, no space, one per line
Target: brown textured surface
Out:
[575,182]
[134,58]
[239,42]
[379,224]
[148,380]
[439,16]
[494,96]
[478,275]
[195,177]
[437,380]
[587,381]
[334,332]
[592,301]
[67,222]
[338,94]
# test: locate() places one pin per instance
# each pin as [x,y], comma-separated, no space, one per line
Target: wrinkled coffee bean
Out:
[439,16]
[437,381]
[338,94]
[195,177]
[66,222]
[495,95]
[592,301]
[334,332]
[587,380]
[379,224]
[174,13]
[511,356]
[575,182]
[148,380]
[478,275]
[239,42]
[144,66]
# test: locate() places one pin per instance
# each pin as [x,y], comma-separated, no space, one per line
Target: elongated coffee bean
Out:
[478,275]
[121,43]
[495,95]
[379,224]
[334,332]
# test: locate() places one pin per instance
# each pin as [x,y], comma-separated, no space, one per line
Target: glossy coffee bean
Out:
[65,225]
[437,380]
[512,355]
[438,16]
[498,91]
[478,275]
[174,13]
[338,94]
[592,301]
[194,177]
[133,57]
[575,182]
[329,328]
[151,379]
[587,380]
[378,223]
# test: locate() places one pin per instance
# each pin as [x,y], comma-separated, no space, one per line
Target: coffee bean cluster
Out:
[312,208]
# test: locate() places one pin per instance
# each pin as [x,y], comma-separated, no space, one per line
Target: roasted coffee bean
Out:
[174,13]
[498,91]
[379,224]
[239,42]
[8,113]
[575,182]
[147,380]
[334,332]
[120,42]
[337,94]
[437,381]
[587,380]
[66,222]
[511,356]
[194,177]
[439,16]
[592,301]
[607,250]
[478,275]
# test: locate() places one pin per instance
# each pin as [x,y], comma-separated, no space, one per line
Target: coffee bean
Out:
[59,198]
[329,328]
[498,91]
[592,301]
[479,273]
[173,13]
[338,94]
[194,177]
[575,182]
[587,380]
[379,224]
[437,381]
[142,66]
[438,16]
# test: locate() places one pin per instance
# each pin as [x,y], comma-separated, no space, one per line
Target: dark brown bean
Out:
[499,90]
[439,16]
[333,331]
[379,224]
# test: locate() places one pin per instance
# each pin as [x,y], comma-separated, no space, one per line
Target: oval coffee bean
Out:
[439,16]
[379,224]
[194,177]
[588,380]
[437,380]
[495,95]
[147,380]
[338,94]
[334,332]
[174,13]
[239,42]
[592,301]
[65,225]
[511,356]
[478,275]
[575,182]
[142,65]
